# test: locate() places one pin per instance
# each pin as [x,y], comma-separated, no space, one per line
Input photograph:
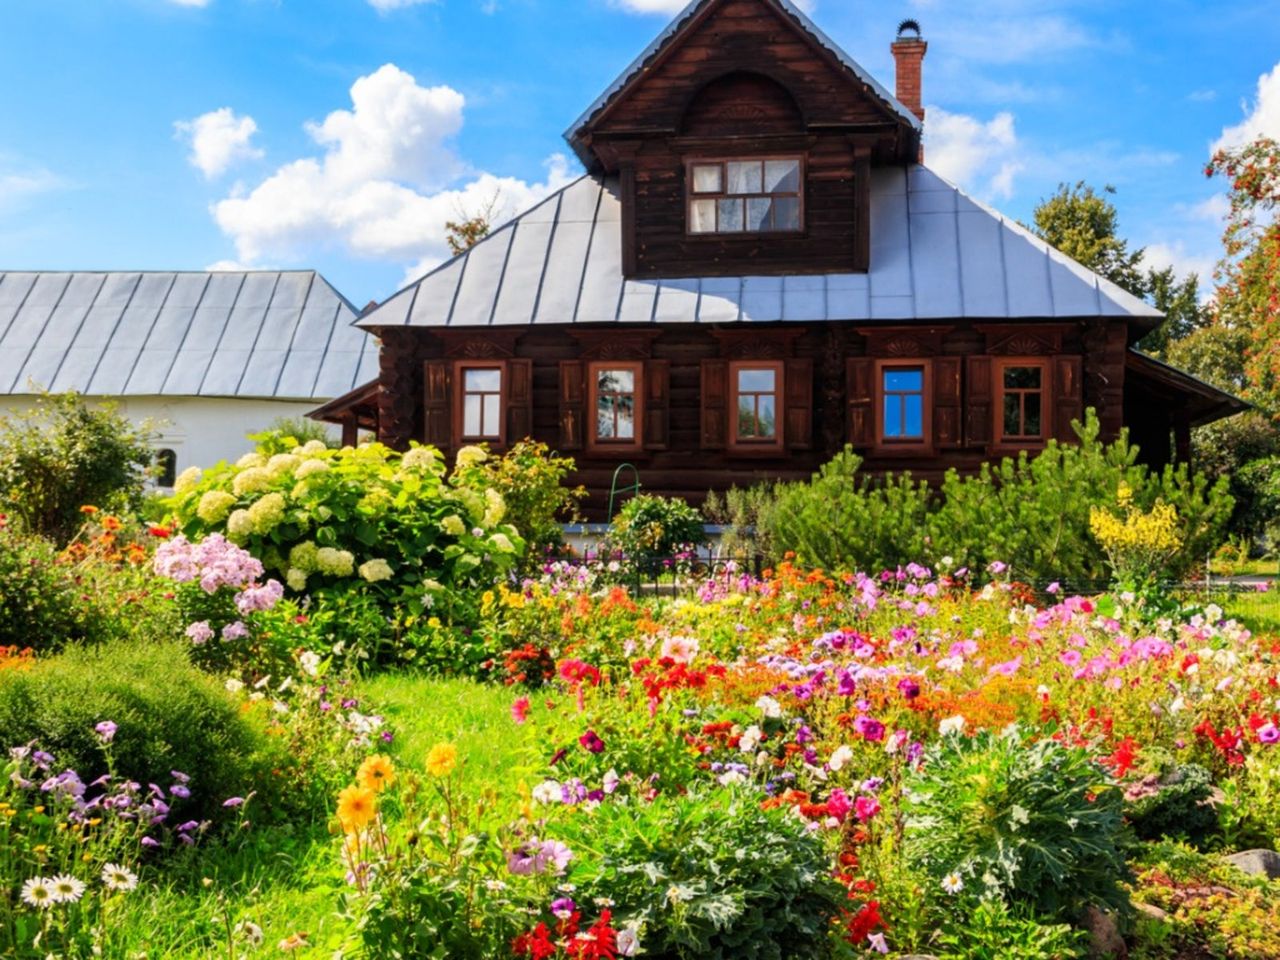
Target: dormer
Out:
[742,141]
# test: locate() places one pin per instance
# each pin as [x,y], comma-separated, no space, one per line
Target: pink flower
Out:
[200,632]
[864,808]
[1070,657]
[679,649]
[1268,733]
[106,730]
[838,804]
[234,630]
[520,710]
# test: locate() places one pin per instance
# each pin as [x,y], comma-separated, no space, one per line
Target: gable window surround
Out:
[745,195]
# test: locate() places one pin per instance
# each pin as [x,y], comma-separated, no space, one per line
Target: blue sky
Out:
[341,134]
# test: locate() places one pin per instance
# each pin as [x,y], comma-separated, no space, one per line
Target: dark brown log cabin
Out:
[755,270]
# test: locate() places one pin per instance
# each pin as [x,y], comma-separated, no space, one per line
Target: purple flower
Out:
[179,776]
[233,801]
[1268,733]
[148,842]
[387,736]
[563,908]
[235,630]
[909,688]
[180,791]
[200,632]
[106,730]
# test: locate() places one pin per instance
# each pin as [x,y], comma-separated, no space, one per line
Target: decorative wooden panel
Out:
[947,400]
[519,400]
[1068,397]
[860,380]
[438,423]
[657,407]
[978,410]
[715,404]
[573,404]
[798,404]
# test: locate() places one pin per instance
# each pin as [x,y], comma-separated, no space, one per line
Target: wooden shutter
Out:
[438,424]
[859,376]
[1068,397]
[979,410]
[798,404]
[519,375]
[946,402]
[573,404]
[715,404]
[657,404]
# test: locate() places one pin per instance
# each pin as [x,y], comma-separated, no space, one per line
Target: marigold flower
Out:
[357,806]
[88,511]
[376,773]
[442,759]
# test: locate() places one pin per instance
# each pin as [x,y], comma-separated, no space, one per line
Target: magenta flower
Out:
[838,804]
[1268,733]
[864,808]
[591,742]
[106,731]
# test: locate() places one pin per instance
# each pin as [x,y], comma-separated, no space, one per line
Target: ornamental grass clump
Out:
[1035,823]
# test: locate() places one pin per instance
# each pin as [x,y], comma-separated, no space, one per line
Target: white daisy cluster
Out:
[45,892]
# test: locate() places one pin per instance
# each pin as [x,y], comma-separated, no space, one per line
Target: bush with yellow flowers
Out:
[1138,543]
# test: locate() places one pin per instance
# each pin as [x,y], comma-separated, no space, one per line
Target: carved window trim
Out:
[999,365]
[771,446]
[691,195]
[460,393]
[604,445]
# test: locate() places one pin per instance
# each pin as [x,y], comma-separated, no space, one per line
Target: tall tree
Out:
[1083,224]
[1247,297]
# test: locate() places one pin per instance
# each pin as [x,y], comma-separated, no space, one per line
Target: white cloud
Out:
[383,6]
[385,185]
[1262,117]
[1178,255]
[20,181]
[981,157]
[218,139]
[190,3]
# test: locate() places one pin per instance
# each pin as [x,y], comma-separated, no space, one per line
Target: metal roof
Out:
[677,24]
[935,254]
[278,335]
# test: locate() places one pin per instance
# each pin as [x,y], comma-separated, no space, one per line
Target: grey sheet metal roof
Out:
[279,335]
[674,27]
[935,254]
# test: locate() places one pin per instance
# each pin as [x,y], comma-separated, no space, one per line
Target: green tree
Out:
[468,229]
[1247,297]
[64,454]
[1083,224]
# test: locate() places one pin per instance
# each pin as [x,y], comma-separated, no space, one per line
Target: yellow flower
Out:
[356,807]
[376,773]
[442,759]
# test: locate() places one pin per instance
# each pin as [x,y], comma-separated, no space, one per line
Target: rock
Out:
[1104,937]
[1257,863]
[1151,910]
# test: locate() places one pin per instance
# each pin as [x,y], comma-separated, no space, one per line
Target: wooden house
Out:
[757,269]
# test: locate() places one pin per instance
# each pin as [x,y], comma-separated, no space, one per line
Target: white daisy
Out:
[952,883]
[116,877]
[38,892]
[66,888]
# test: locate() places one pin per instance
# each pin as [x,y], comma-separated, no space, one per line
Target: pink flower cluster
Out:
[215,562]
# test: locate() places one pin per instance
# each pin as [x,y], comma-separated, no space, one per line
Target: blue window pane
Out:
[906,381]
[914,425]
[892,417]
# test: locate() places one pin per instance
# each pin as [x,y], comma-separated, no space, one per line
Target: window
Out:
[757,391]
[1021,385]
[616,399]
[903,389]
[481,388]
[166,467]
[745,196]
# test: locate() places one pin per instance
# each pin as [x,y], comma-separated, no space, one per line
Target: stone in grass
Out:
[1105,942]
[1257,863]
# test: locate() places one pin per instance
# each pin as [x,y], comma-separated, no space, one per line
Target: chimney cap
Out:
[908,31]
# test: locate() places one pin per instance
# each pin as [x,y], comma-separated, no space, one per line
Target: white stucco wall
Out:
[200,430]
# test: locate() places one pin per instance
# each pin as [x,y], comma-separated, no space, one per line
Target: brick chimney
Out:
[908,56]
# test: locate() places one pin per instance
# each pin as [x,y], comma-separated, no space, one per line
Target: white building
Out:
[203,358]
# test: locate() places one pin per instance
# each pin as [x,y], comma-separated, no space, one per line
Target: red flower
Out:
[1121,761]
[536,943]
[600,942]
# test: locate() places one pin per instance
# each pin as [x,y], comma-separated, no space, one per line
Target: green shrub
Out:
[1175,805]
[650,528]
[48,599]
[710,875]
[531,480]
[1033,823]
[64,454]
[170,716]
[1030,512]
[991,930]
[361,519]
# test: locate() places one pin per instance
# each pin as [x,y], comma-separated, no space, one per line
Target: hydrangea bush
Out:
[399,527]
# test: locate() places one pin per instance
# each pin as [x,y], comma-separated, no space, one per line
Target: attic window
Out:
[745,196]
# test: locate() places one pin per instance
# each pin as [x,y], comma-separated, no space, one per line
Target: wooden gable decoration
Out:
[727,66]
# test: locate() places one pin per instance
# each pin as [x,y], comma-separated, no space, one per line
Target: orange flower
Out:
[88,510]
[111,523]
[356,807]
[376,773]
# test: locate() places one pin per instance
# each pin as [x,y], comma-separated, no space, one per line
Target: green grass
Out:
[289,879]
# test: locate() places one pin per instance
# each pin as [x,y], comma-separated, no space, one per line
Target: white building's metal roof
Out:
[641,62]
[278,335]
[935,254]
